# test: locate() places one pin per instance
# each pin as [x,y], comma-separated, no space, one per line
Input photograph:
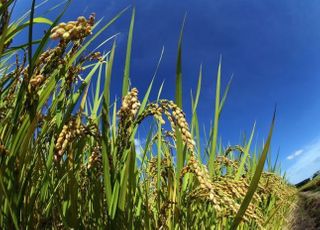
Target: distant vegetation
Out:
[67,151]
[310,184]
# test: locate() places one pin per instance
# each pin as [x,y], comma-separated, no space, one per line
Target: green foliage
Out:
[67,152]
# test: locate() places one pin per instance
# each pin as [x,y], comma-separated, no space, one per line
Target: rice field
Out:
[68,158]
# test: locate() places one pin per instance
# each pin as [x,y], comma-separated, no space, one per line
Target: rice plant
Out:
[68,157]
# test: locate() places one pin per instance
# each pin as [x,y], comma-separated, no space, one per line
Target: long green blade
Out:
[255,180]
[246,154]
[179,144]
[125,84]
[216,122]
[179,68]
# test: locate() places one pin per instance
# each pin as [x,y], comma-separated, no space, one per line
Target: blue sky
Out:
[272,48]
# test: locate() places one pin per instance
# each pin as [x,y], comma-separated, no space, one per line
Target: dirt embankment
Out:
[306,215]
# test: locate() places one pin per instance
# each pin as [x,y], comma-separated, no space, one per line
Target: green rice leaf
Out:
[216,122]
[255,180]
[179,68]
[245,156]
[125,83]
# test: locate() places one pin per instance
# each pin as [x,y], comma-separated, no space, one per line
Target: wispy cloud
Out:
[295,154]
[138,145]
[305,162]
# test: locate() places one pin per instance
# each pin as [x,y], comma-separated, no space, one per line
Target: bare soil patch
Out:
[306,214]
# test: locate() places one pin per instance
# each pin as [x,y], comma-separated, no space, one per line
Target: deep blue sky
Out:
[272,47]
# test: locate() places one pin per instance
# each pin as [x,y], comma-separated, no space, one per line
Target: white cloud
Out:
[306,164]
[290,157]
[138,146]
[295,154]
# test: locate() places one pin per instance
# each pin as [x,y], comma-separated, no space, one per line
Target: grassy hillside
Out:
[312,185]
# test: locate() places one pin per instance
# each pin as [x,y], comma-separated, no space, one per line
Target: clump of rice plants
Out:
[68,158]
